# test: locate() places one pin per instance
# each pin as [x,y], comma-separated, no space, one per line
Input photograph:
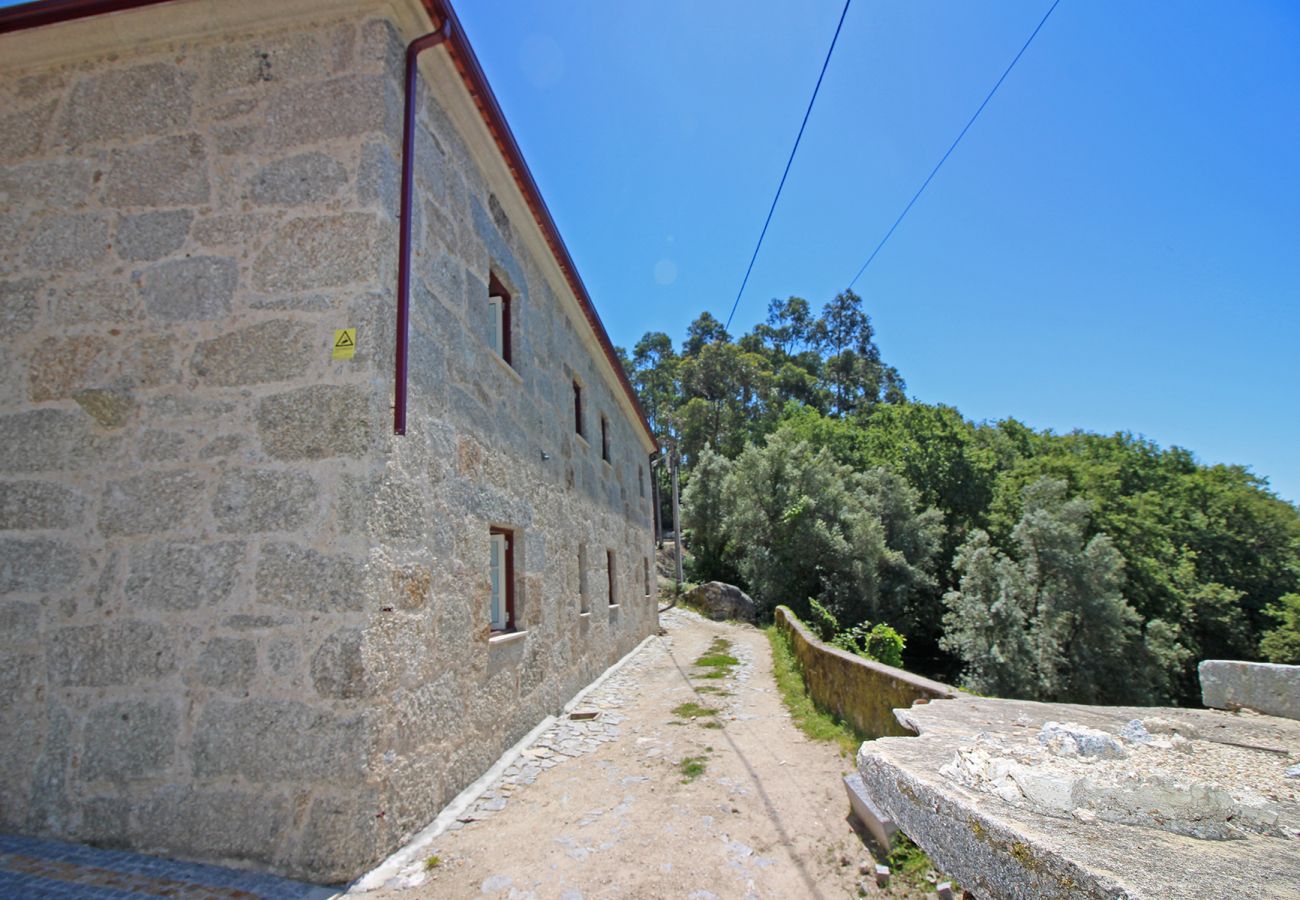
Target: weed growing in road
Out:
[712,689]
[432,862]
[692,767]
[817,724]
[692,710]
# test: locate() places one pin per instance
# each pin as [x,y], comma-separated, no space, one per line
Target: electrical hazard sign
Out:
[345,343]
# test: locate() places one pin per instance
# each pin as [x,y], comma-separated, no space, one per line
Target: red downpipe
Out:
[413,51]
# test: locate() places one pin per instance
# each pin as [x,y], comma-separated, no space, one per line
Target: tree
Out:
[912,534]
[1282,644]
[703,331]
[1050,623]
[703,512]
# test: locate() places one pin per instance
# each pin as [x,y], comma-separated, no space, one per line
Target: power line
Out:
[799,137]
[939,165]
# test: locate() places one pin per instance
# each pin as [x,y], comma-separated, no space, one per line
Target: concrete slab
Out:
[1268,688]
[882,827]
[1102,802]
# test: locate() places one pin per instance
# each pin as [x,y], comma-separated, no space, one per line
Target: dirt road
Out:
[692,782]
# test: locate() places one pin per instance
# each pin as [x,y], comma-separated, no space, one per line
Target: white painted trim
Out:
[408,855]
[507,637]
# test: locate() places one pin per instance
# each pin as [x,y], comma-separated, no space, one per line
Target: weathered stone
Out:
[94,301]
[266,61]
[348,826]
[328,251]
[212,822]
[315,422]
[156,445]
[268,351]
[379,179]
[102,655]
[157,501]
[1264,687]
[39,504]
[46,440]
[62,183]
[227,664]
[297,180]
[143,100]
[110,408]
[71,241]
[19,306]
[175,576]
[150,361]
[252,500]
[200,287]
[276,740]
[232,230]
[38,564]
[337,667]
[152,235]
[399,509]
[169,172]
[22,132]
[300,578]
[19,621]
[723,601]
[60,366]
[341,107]
[132,739]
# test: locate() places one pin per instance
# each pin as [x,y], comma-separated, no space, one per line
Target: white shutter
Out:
[498,570]
[497,305]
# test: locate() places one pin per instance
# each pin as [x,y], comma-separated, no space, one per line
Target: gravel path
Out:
[601,808]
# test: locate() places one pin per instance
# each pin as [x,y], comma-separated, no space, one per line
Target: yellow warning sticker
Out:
[345,343]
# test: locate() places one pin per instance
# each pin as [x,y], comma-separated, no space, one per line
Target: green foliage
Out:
[1282,644]
[692,767]
[878,642]
[693,711]
[821,479]
[815,723]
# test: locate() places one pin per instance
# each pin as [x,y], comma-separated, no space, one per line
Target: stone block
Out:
[103,655]
[168,172]
[255,500]
[152,502]
[176,576]
[879,825]
[150,361]
[47,440]
[67,241]
[265,61]
[62,365]
[105,821]
[277,740]
[341,837]
[101,300]
[320,252]
[297,577]
[268,351]
[227,664]
[199,287]
[21,132]
[315,422]
[19,306]
[213,822]
[111,408]
[39,564]
[132,739]
[297,180]
[337,667]
[1268,688]
[338,108]
[39,504]
[142,100]
[61,183]
[19,621]
[379,179]
[153,235]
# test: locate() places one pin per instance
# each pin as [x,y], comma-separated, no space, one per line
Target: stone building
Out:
[242,619]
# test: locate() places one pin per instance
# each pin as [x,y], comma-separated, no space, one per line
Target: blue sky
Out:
[1114,246]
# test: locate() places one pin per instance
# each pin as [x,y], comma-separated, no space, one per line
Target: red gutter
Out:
[413,51]
[49,12]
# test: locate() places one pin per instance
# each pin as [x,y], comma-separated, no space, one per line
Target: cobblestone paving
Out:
[35,868]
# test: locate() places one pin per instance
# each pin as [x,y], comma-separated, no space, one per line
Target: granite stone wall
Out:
[239,619]
[860,691]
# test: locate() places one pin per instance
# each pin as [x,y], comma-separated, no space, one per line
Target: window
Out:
[640,480]
[609,563]
[502,570]
[499,308]
[577,410]
[604,438]
[646,560]
[584,592]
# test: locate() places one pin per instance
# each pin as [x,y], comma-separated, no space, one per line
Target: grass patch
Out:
[816,723]
[692,767]
[712,723]
[432,862]
[692,710]
[908,862]
[717,662]
[713,689]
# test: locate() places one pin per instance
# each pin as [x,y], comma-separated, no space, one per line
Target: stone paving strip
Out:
[39,868]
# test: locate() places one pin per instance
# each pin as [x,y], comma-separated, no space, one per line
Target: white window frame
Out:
[499,612]
[497,306]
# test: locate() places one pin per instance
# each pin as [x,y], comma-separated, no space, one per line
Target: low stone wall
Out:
[1267,688]
[860,691]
